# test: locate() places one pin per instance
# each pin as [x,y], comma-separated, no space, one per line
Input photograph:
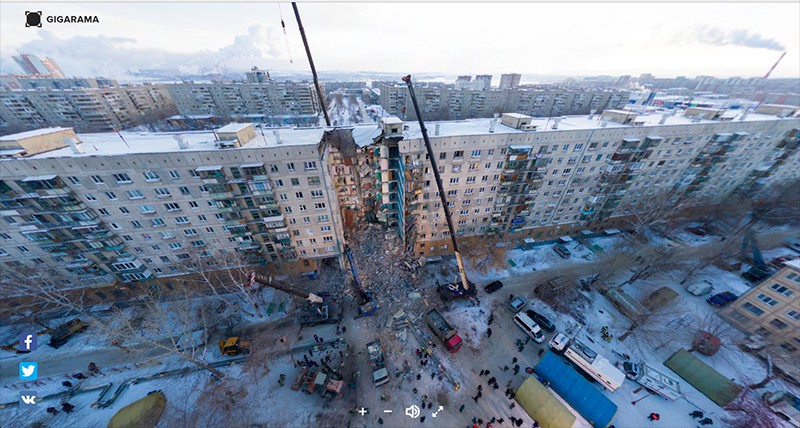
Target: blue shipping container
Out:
[576,390]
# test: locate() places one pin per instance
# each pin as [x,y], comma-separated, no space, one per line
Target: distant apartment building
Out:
[274,103]
[771,310]
[39,82]
[454,104]
[256,75]
[85,109]
[32,64]
[97,209]
[509,81]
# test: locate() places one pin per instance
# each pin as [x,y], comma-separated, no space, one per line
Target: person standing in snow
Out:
[489,332]
[461,409]
[654,416]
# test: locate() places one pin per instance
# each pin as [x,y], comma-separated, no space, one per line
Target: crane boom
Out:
[267,282]
[774,65]
[439,184]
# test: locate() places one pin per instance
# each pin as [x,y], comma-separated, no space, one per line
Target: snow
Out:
[30,134]
[234,127]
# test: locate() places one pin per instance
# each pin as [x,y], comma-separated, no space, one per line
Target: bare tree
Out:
[750,411]
[484,253]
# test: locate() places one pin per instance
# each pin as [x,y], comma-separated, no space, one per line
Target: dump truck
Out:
[143,413]
[233,346]
[443,330]
[325,313]
[593,364]
[653,379]
[380,375]
[315,311]
[61,334]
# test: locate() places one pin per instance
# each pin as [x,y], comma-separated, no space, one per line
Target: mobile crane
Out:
[316,311]
[366,303]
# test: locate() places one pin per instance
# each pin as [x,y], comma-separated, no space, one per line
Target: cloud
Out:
[706,34]
[120,57]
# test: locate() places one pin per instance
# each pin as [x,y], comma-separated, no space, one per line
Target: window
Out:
[322,218]
[151,176]
[190,232]
[306,219]
[298,195]
[782,289]
[162,193]
[780,325]
[198,243]
[210,230]
[202,218]
[788,347]
[146,209]
[157,222]
[442,156]
[287,210]
[456,168]
[97,179]
[302,208]
[278,183]
[766,299]
[753,308]
[111,196]
[184,190]
[136,224]
[313,181]
[134,194]
[124,210]
[273,168]
[284,197]
[23,249]
[115,226]
[193,204]
[290,166]
[454,180]
[122,178]
[166,235]
[452,193]
[175,246]
[316,194]
[74,180]
[471,180]
[103,212]
[172,206]
[458,154]
[319,206]
[174,174]
[793,314]
[182,220]
[5,236]
[310,165]
[325,228]
[203,189]
[476,154]
[295,181]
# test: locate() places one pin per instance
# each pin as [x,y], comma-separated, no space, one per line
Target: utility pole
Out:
[311,63]
[439,185]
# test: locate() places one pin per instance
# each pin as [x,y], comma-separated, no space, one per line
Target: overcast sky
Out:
[733,39]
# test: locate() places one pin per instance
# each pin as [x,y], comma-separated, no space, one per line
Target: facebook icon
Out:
[28,342]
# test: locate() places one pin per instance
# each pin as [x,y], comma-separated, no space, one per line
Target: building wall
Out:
[87,110]
[454,104]
[772,310]
[235,99]
[279,215]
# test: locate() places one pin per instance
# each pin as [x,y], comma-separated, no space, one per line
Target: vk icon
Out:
[28,371]
[28,342]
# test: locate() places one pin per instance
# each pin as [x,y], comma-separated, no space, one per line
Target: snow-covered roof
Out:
[391,120]
[30,134]
[453,128]
[234,127]
[110,144]
[365,135]
[794,263]
[517,115]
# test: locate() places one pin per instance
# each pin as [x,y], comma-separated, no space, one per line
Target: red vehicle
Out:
[780,262]
[443,330]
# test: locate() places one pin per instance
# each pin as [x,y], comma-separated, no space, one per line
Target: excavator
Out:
[366,303]
[315,311]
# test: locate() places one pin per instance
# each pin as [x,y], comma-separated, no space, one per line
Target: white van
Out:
[699,288]
[529,326]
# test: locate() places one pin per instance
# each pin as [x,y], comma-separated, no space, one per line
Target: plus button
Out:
[363,411]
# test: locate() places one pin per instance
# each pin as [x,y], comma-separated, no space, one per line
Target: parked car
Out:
[757,273]
[699,288]
[493,286]
[517,304]
[722,299]
[562,251]
[541,320]
[779,262]
[699,231]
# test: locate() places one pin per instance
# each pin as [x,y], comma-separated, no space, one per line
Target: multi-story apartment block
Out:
[32,64]
[454,104]
[539,178]
[509,81]
[39,82]
[771,310]
[86,109]
[274,103]
[100,208]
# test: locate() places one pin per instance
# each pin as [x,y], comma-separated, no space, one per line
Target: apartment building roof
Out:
[453,128]
[30,134]
[111,144]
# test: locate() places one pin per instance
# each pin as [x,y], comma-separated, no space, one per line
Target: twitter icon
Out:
[28,371]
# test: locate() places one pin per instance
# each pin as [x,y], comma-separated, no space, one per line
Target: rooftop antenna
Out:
[285,36]
[311,63]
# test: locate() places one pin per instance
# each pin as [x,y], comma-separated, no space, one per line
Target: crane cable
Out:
[285,36]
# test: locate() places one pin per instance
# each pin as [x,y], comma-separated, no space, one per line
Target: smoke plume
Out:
[709,35]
